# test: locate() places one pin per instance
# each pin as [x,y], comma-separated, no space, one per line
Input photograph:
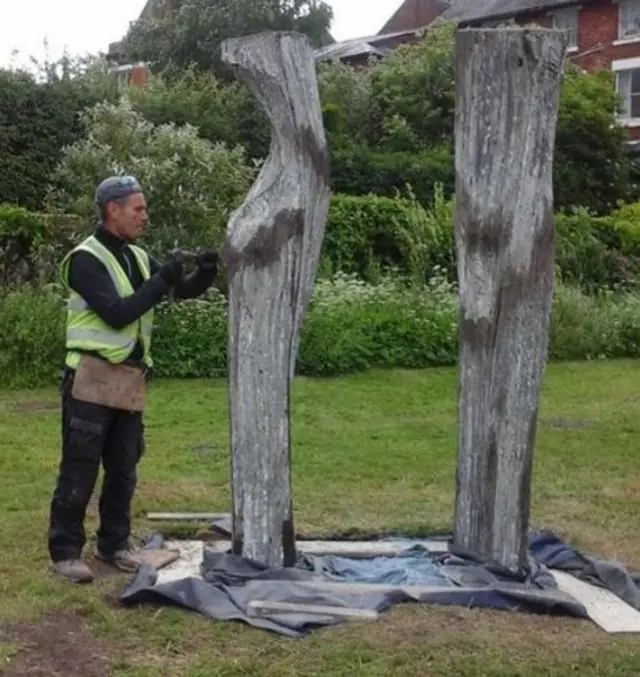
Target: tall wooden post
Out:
[271,256]
[507,101]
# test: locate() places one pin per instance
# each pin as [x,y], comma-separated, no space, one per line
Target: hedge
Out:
[366,235]
[361,171]
[350,326]
[370,235]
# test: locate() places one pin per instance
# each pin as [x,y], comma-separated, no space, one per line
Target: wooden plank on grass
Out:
[269,608]
[187,516]
[605,608]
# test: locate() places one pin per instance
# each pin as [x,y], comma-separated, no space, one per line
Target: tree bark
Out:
[506,113]
[271,254]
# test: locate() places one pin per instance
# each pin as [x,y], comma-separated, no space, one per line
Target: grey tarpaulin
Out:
[229,582]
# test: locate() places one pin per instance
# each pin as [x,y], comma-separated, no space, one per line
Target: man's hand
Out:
[171,272]
[207,260]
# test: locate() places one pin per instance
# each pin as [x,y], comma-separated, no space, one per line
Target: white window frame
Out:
[623,69]
[626,7]
[571,14]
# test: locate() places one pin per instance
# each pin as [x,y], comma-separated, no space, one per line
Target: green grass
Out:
[373,452]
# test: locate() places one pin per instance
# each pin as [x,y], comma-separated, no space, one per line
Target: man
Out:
[113,287]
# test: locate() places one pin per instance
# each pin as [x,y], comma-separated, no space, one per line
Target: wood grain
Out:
[271,254]
[508,83]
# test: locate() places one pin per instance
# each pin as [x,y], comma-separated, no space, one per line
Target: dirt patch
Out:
[56,645]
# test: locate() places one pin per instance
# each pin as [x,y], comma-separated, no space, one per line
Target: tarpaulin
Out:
[227,583]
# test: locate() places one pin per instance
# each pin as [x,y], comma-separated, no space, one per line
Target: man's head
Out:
[122,207]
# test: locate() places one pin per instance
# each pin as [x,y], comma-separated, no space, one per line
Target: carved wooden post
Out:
[506,112]
[271,255]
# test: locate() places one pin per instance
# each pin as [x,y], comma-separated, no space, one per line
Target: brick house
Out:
[603,34]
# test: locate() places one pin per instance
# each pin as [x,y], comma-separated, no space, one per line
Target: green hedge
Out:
[368,234]
[351,326]
[361,171]
[31,243]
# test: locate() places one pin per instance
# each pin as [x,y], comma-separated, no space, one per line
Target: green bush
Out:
[369,234]
[38,118]
[350,326]
[360,171]
[31,244]
[32,337]
[191,184]
[599,252]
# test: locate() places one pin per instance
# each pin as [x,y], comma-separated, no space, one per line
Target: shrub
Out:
[191,185]
[599,252]
[39,116]
[31,244]
[360,171]
[32,336]
[350,326]
[368,235]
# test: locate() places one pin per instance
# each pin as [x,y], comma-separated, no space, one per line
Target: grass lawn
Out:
[371,452]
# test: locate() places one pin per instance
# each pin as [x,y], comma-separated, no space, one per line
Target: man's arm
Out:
[192,285]
[89,278]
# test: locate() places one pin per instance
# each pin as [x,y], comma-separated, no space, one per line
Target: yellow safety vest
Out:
[86,332]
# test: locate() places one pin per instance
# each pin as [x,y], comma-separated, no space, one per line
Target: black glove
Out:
[208,261]
[171,272]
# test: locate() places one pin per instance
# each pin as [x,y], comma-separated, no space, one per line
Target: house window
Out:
[567,20]
[628,86]
[629,19]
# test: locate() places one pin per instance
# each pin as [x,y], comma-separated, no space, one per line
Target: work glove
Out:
[171,272]
[208,260]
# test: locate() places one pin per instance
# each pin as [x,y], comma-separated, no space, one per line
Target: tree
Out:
[411,109]
[191,184]
[413,93]
[221,111]
[346,102]
[591,166]
[192,32]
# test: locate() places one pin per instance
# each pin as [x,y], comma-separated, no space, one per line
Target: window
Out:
[628,86]
[629,19]
[567,20]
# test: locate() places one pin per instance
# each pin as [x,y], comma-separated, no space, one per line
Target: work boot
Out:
[128,559]
[74,570]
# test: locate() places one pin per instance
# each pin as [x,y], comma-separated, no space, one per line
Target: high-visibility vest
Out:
[86,332]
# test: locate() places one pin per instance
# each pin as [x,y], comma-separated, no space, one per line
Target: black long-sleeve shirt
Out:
[90,278]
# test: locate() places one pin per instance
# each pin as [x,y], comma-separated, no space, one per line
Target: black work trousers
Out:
[92,434]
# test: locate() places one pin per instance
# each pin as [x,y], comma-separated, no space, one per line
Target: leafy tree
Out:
[191,185]
[220,111]
[405,107]
[591,167]
[192,31]
[346,101]
[413,94]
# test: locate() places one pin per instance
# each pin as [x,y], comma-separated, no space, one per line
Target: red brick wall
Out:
[597,33]
[410,15]
[139,76]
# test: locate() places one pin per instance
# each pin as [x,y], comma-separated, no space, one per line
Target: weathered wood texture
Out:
[271,255]
[506,113]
